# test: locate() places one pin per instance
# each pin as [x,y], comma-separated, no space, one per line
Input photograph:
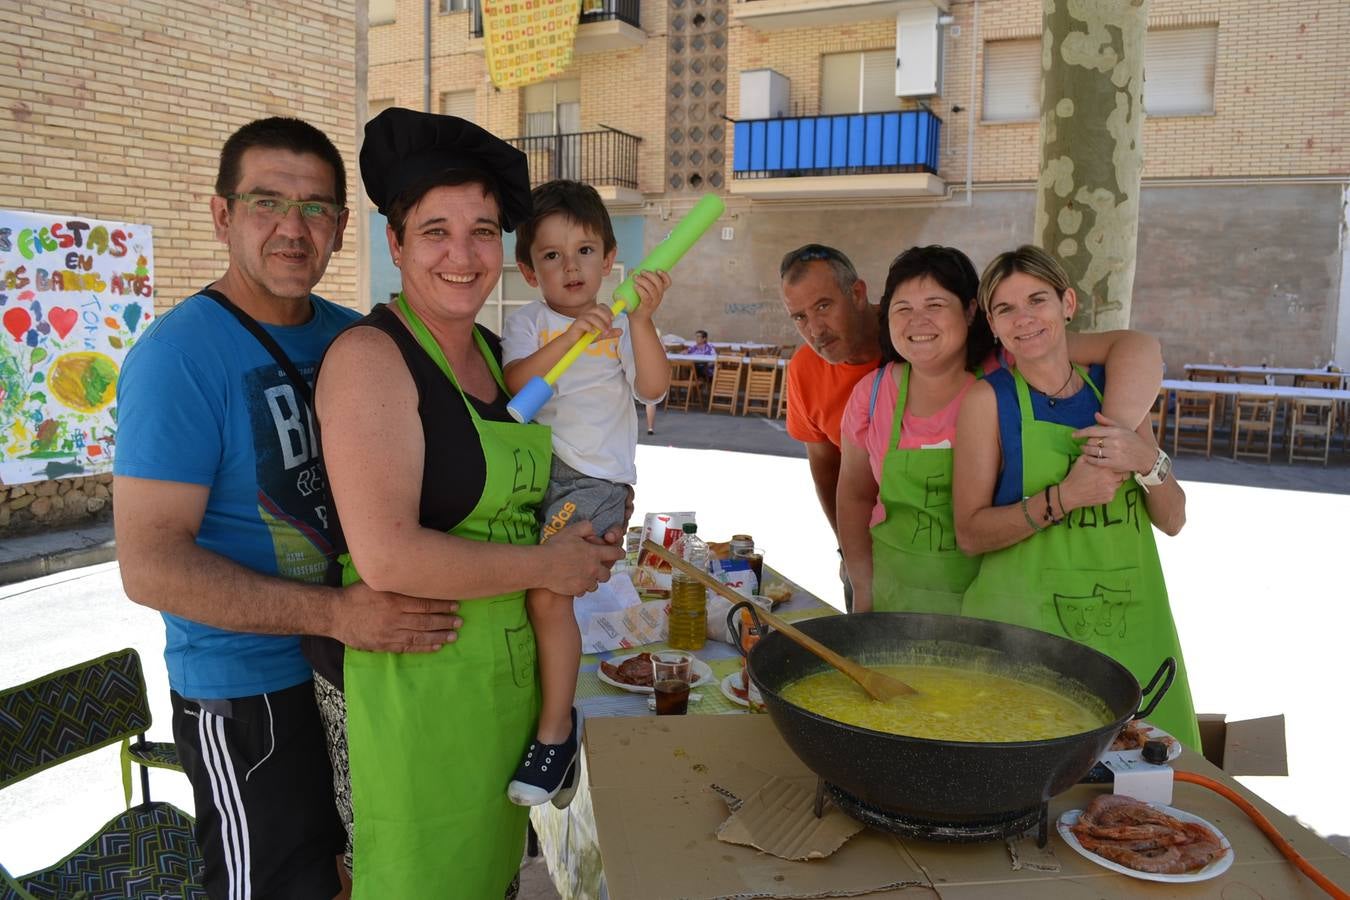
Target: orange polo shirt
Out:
[818,393]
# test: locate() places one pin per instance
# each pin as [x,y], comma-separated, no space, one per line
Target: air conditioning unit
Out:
[918,52]
[764,94]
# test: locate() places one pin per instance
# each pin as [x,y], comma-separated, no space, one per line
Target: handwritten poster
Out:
[528,41]
[75,294]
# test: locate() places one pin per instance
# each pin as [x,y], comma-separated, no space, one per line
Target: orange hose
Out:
[1263,823]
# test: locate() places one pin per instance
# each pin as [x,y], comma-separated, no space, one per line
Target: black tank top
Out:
[453,468]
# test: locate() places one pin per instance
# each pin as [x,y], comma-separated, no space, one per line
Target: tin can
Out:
[742,545]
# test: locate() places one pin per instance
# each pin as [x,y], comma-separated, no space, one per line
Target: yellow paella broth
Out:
[953,704]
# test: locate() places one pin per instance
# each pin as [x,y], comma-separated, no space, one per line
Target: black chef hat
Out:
[405,148]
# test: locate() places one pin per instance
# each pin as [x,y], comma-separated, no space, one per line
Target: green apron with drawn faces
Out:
[916,565]
[433,738]
[1095,577]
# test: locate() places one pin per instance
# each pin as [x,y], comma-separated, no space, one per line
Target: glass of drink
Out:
[672,671]
[756,558]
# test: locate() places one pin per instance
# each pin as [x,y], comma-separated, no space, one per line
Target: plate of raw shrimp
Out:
[1146,840]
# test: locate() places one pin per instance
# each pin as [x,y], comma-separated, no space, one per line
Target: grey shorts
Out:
[574,497]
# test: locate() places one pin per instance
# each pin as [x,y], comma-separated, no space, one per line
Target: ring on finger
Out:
[1099,451]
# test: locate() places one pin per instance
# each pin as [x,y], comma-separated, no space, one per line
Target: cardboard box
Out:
[656,817]
[1248,747]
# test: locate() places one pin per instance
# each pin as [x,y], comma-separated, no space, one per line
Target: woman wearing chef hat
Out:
[436,488]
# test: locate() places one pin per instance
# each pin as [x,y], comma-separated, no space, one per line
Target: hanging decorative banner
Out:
[528,41]
[75,294]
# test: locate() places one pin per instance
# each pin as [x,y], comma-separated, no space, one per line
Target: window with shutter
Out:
[375,107]
[381,12]
[458,103]
[1178,75]
[858,82]
[449,6]
[1179,71]
[552,107]
[1012,81]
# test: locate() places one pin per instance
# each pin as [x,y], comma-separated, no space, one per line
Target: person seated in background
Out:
[701,347]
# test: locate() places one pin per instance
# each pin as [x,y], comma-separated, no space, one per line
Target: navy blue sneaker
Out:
[548,772]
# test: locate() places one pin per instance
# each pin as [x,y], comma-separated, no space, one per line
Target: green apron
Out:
[916,565]
[433,738]
[1095,577]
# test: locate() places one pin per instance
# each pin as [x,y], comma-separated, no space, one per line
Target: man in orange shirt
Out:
[827,301]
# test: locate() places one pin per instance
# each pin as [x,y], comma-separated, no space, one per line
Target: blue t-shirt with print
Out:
[200,401]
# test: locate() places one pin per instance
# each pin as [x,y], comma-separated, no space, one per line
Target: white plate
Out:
[1213,870]
[702,675]
[1135,756]
[728,683]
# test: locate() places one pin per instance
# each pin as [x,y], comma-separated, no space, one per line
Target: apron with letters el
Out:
[434,738]
[1095,577]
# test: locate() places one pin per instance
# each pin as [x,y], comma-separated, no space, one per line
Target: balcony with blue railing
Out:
[857,154]
[602,25]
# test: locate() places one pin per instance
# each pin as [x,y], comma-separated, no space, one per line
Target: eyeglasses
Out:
[812,253]
[270,207]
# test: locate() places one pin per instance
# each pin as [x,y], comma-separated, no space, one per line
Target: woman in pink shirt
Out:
[894,496]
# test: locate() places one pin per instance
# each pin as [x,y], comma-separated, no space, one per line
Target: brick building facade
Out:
[1243,210]
[118,111]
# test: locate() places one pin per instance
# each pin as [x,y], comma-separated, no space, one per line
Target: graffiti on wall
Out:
[75,294]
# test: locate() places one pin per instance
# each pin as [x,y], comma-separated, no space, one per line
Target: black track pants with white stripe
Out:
[266,822]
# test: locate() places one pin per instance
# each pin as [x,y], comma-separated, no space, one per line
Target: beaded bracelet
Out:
[1030,521]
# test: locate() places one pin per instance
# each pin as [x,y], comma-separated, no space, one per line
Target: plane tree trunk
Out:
[1087,196]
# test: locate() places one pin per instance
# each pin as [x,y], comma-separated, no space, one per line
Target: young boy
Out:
[565,251]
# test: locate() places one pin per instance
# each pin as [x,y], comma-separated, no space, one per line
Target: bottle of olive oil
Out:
[688,618]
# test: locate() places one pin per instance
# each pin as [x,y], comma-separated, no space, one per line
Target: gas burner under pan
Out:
[996,827]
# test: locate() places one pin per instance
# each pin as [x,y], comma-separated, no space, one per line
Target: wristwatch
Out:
[1162,467]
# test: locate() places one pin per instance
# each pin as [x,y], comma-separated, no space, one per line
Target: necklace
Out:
[1050,398]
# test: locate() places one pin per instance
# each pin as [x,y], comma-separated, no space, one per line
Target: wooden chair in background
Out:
[785,351]
[684,378]
[1330,381]
[725,391]
[1158,415]
[1254,416]
[1221,400]
[1308,424]
[1194,410]
[761,384]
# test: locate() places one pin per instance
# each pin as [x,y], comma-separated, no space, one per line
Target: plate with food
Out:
[633,673]
[776,591]
[1146,840]
[1128,746]
[733,689]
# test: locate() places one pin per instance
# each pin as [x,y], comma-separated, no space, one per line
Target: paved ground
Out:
[1257,580]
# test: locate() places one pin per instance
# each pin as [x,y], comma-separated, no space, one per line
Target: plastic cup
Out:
[672,671]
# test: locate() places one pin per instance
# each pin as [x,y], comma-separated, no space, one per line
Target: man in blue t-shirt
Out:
[222,516]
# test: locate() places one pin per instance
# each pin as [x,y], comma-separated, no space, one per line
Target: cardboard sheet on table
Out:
[780,818]
[657,818]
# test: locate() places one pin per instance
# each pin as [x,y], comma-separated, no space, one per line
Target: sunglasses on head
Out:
[811,253]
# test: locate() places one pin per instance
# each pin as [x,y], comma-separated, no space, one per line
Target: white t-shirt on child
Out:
[594,422]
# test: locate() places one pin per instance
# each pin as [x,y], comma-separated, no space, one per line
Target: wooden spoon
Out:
[878,686]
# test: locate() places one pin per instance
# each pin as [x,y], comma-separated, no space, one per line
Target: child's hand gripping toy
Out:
[538,391]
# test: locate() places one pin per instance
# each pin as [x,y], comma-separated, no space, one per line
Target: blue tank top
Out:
[1077,411]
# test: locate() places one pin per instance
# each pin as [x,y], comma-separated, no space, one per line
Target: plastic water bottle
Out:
[687,620]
